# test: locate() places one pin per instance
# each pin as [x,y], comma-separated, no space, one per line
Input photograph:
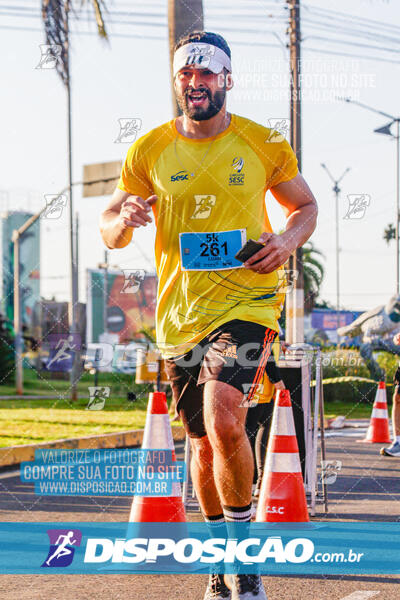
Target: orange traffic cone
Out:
[282,495]
[378,430]
[158,435]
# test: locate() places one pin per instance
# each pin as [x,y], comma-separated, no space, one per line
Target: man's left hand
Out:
[274,254]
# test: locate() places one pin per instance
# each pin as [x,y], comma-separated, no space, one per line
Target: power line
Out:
[233,29]
[233,42]
[352,31]
[112,13]
[337,53]
[333,41]
[353,18]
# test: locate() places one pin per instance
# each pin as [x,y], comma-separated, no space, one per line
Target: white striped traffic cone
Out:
[158,435]
[282,495]
[378,430]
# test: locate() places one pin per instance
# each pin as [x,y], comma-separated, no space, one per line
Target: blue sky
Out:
[129,77]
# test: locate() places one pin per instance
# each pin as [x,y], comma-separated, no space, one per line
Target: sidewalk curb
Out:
[13,455]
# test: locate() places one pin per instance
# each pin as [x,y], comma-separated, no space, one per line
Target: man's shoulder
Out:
[151,142]
[257,133]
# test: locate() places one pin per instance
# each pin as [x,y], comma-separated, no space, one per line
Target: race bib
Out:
[211,251]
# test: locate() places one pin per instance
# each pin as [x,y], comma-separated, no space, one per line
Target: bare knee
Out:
[224,417]
[225,432]
[202,451]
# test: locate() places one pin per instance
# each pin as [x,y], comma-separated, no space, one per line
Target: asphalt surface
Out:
[367,488]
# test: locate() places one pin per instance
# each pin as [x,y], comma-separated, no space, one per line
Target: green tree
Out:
[7,366]
[313,275]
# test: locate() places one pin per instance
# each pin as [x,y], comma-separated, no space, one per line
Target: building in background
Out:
[51,317]
[130,300]
[29,269]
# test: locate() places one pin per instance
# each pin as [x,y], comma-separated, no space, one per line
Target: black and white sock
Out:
[237,520]
[216,526]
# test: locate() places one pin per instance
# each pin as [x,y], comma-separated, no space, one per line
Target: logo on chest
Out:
[204,205]
[237,177]
[180,176]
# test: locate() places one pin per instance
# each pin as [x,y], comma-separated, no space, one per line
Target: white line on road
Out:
[360,595]
[346,433]
[7,474]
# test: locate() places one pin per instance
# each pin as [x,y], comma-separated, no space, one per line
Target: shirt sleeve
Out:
[285,165]
[135,178]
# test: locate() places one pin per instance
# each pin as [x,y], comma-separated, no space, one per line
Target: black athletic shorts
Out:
[236,353]
[396,378]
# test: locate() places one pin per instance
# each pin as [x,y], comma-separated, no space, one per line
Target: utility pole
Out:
[105,291]
[104,267]
[397,201]
[336,190]
[77,251]
[385,130]
[183,17]
[17,316]
[73,305]
[295,299]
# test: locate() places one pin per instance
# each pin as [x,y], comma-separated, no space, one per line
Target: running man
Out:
[62,550]
[216,321]
[64,348]
[394,449]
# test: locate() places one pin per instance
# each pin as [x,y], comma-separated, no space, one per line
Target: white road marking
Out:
[346,433]
[8,474]
[360,595]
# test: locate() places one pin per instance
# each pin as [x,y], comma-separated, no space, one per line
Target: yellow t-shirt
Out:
[208,185]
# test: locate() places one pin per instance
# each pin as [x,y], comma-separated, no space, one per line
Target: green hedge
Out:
[341,363]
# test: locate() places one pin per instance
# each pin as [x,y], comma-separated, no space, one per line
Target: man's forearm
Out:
[300,226]
[114,233]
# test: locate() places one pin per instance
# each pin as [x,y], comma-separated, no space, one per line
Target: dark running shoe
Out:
[216,589]
[246,587]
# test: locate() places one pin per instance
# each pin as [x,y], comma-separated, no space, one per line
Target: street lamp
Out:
[336,190]
[386,130]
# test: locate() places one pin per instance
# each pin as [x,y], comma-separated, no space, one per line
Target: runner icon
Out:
[62,549]
[64,345]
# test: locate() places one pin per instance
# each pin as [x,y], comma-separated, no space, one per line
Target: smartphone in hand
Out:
[248,250]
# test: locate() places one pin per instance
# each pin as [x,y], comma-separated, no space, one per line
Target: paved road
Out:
[367,488]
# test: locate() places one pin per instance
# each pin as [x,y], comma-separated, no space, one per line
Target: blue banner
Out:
[106,472]
[182,548]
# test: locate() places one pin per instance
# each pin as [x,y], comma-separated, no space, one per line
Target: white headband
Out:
[201,56]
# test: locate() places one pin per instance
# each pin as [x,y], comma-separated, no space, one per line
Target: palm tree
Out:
[313,275]
[55,15]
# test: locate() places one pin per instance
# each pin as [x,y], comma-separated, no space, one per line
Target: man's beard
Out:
[215,103]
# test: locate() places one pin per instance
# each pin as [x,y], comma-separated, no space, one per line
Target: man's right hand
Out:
[396,339]
[135,211]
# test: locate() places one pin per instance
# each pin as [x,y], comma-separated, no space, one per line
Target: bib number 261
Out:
[212,247]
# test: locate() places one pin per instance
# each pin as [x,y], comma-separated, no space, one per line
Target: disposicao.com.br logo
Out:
[222,551]
[192,550]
